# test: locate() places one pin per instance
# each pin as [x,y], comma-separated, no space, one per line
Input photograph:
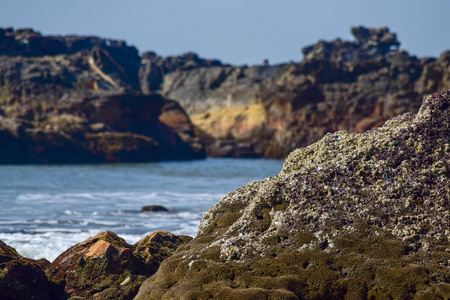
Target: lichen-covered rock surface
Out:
[352,216]
[106,267]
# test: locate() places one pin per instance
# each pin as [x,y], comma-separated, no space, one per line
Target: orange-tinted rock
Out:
[94,267]
[340,85]
[83,105]
[106,267]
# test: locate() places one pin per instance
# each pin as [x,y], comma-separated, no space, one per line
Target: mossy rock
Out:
[353,216]
[106,267]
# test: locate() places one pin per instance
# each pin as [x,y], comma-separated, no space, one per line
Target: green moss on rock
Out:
[106,267]
[354,216]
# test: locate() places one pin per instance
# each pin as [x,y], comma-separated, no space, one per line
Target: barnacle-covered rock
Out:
[352,216]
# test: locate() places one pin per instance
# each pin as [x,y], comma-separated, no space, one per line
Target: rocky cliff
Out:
[77,99]
[236,111]
[267,111]
[354,216]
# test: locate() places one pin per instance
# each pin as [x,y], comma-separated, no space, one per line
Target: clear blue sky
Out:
[235,31]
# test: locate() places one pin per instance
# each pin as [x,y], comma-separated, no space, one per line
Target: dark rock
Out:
[369,43]
[22,278]
[154,208]
[357,216]
[203,89]
[106,267]
[154,68]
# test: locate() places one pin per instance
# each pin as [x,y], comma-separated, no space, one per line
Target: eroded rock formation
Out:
[268,111]
[102,267]
[238,111]
[80,102]
[356,216]
[106,267]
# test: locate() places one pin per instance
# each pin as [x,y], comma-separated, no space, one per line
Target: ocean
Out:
[45,209]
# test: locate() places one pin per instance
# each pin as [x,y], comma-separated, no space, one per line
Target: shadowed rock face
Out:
[22,278]
[85,127]
[352,215]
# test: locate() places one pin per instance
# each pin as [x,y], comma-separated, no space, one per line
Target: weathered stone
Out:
[106,267]
[158,246]
[351,216]
[70,126]
[340,85]
[22,278]
[82,104]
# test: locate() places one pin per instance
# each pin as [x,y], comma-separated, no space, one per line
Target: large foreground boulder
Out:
[353,216]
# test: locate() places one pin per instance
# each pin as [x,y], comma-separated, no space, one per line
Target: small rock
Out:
[154,208]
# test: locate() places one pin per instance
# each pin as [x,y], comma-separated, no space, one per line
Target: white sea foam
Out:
[47,209]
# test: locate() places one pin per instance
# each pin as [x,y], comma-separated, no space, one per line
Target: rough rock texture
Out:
[106,267]
[224,102]
[340,85]
[353,216]
[154,68]
[114,57]
[238,111]
[22,278]
[81,103]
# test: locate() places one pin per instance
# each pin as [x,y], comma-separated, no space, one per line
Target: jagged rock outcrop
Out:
[22,278]
[268,111]
[154,68]
[102,267]
[357,216]
[80,103]
[77,127]
[224,102]
[111,55]
[200,85]
[342,85]
[238,111]
[106,267]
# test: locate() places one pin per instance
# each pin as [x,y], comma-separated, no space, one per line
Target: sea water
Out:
[45,209]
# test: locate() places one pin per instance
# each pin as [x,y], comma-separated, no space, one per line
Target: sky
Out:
[235,31]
